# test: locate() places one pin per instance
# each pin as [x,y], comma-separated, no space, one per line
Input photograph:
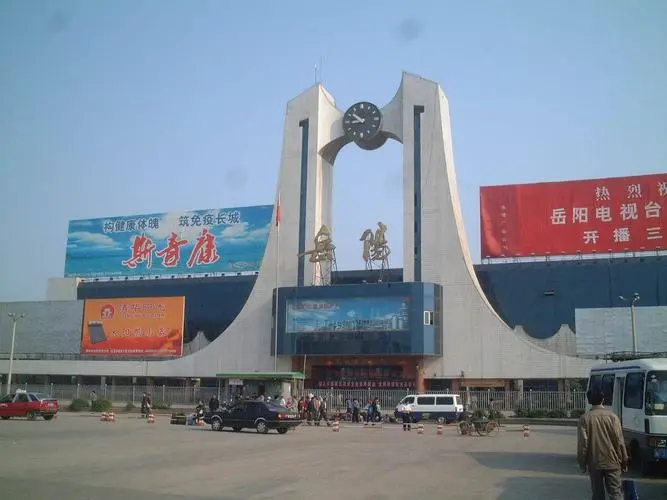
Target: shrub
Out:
[129,406]
[558,414]
[161,405]
[577,412]
[536,413]
[78,404]
[101,405]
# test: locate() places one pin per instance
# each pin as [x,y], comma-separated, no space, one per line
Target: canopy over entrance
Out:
[262,375]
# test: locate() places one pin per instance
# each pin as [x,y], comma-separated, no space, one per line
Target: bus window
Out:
[595,383]
[656,393]
[608,388]
[634,391]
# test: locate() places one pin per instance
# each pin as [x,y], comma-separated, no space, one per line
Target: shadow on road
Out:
[545,488]
[553,463]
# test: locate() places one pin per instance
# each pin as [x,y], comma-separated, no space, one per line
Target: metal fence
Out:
[506,401]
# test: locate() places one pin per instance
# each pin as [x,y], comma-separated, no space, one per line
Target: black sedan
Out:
[258,415]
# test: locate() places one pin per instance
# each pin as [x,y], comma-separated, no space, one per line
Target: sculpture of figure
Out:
[368,239]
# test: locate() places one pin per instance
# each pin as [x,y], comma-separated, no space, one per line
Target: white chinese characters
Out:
[603,214]
[654,233]
[629,211]
[634,191]
[602,194]
[591,237]
[579,214]
[652,210]
[558,216]
[622,235]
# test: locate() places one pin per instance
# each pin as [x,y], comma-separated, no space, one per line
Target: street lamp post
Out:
[633,322]
[15,319]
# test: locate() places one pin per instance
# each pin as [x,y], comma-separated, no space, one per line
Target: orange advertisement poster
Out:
[142,327]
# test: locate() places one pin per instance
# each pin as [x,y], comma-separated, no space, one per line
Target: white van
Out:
[432,407]
[636,391]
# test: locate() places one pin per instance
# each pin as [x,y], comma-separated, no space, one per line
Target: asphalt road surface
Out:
[78,457]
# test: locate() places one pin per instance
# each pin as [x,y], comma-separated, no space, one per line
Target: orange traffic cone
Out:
[420,428]
[526,431]
[336,426]
[150,419]
[439,429]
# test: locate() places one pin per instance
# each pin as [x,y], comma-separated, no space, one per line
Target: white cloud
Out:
[94,239]
[240,233]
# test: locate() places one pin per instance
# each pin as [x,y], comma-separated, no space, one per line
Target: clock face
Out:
[362,121]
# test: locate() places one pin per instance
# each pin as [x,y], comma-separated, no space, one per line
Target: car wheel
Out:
[31,415]
[48,417]
[237,429]
[216,424]
[282,430]
[262,428]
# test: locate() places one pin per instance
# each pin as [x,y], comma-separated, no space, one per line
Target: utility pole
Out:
[633,318]
[15,319]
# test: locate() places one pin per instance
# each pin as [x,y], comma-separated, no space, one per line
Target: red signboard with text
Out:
[622,214]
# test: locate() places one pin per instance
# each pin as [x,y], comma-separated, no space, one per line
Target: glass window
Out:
[426,400]
[634,391]
[656,393]
[408,400]
[608,388]
[23,398]
[7,399]
[33,397]
[595,383]
[444,400]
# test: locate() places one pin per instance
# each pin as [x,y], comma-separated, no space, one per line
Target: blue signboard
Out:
[353,314]
[178,243]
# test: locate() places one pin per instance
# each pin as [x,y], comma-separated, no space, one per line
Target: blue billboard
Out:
[177,243]
[350,314]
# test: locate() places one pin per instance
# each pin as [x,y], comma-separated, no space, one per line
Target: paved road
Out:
[77,457]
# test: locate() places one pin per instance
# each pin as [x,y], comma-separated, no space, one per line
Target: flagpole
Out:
[275,325]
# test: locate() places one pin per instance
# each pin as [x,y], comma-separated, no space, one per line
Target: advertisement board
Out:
[576,217]
[353,314]
[142,327]
[178,243]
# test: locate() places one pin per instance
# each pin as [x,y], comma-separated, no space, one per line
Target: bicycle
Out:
[482,427]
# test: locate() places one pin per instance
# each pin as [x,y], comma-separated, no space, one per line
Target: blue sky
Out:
[126,107]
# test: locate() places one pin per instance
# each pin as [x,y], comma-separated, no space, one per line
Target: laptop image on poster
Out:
[96,332]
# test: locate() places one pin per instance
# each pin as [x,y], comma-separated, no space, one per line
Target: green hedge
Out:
[101,405]
[495,414]
[161,405]
[78,404]
[545,413]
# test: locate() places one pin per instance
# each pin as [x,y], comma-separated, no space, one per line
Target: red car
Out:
[28,404]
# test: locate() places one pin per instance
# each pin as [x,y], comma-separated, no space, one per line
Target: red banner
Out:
[622,214]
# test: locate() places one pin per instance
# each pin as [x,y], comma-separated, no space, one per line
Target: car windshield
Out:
[656,393]
[42,397]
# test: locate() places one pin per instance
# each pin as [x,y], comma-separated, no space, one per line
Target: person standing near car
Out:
[601,448]
[214,403]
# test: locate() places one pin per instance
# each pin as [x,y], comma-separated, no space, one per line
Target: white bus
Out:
[636,391]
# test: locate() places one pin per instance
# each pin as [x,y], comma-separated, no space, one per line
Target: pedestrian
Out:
[93,401]
[601,448]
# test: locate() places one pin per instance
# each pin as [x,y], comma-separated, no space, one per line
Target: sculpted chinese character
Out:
[621,235]
[652,210]
[142,251]
[323,247]
[375,246]
[629,211]
[558,216]
[171,254]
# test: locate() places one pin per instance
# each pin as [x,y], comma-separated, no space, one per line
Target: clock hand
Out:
[359,120]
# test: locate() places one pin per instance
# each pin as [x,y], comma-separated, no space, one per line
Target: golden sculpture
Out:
[376,247]
[323,247]
[323,257]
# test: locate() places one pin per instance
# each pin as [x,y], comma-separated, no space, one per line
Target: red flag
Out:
[278,217]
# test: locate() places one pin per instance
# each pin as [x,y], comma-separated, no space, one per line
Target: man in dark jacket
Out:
[214,403]
[601,448]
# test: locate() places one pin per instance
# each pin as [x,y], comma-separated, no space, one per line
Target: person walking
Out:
[601,449]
